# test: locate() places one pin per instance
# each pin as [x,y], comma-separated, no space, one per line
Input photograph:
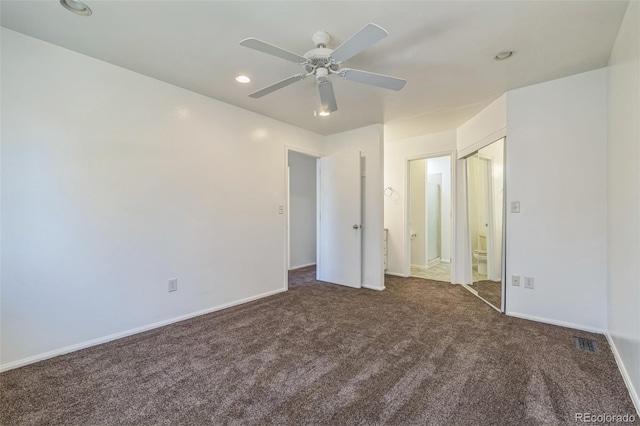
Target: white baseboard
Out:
[434,262]
[625,375]
[115,336]
[419,267]
[293,268]
[370,287]
[396,274]
[558,323]
[445,260]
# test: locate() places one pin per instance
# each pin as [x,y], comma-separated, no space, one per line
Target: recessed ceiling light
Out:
[243,79]
[76,7]
[501,56]
[324,113]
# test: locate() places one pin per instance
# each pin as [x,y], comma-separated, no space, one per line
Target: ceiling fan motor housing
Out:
[319,57]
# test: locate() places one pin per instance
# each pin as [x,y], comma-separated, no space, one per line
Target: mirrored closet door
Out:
[485,198]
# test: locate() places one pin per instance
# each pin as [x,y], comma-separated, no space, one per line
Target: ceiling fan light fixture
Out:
[322,61]
[505,54]
[76,7]
[243,79]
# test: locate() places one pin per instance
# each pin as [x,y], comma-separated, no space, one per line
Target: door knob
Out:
[356,226]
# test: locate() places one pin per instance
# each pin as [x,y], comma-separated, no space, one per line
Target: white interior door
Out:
[339,234]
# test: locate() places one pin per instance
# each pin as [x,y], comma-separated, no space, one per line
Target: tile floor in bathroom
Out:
[439,272]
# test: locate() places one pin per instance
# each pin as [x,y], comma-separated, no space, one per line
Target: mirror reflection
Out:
[485,186]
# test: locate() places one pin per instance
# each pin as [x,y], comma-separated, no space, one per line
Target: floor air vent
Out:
[586,345]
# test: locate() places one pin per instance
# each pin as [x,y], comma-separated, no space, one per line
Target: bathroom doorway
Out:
[485,201]
[430,207]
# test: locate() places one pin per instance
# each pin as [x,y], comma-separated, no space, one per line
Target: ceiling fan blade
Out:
[374,79]
[279,85]
[327,96]
[270,49]
[366,37]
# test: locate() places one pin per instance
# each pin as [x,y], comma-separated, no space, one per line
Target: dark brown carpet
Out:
[490,291]
[324,354]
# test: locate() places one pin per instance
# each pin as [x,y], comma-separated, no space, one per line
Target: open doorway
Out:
[430,208]
[302,210]
[333,208]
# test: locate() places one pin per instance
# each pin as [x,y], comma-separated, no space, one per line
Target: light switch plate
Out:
[515,207]
[528,282]
[515,280]
[173,284]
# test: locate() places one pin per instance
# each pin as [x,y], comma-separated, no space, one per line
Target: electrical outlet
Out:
[173,284]
[515,280]
[528,282]
[515,207]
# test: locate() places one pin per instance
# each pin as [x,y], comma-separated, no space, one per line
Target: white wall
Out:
[113,183]
[369,141]
[485,127]
[433,213]
[396,155]
[302,210]
[442,165]
[624,198]
[556,167]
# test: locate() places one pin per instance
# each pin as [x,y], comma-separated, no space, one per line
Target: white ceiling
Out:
[444,49]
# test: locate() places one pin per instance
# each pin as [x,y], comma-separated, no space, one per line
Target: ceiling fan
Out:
[321,62]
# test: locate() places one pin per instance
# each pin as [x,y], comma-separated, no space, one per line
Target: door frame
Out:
[287,236]
[407,213]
